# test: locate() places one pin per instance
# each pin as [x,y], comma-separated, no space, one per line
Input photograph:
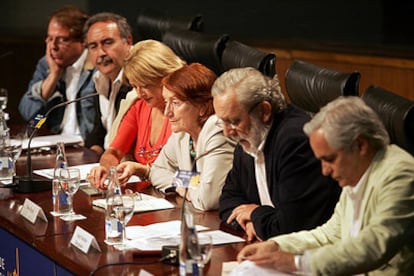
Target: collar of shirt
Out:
[76,67]
[102,83]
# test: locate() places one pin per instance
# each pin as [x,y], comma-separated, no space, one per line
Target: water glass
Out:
[205,242]
[3,98]
[70,181]
[124,212]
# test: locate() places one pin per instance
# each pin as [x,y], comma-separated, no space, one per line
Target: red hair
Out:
[193,83]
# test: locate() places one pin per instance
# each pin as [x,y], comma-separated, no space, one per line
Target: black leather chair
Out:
[236,54]
[397,114]
[152,24]
[191,46]
[311,87]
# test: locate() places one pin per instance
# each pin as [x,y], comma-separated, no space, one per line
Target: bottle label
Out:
[113,230]
[5,163]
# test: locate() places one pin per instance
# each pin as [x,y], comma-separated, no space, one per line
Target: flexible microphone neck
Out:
[40,124]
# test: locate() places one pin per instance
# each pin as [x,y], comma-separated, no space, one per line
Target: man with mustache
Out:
[275,185]
[108,37]
[64,73]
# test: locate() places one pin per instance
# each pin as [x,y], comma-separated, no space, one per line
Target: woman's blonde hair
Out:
[149,61]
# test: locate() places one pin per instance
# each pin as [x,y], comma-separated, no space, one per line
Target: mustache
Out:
[104,60]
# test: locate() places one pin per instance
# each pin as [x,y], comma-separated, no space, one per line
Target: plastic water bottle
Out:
[190,254]
[59,197]
[6,158]
[113,227]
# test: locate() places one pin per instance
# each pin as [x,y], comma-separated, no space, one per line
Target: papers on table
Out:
[147,203]
[84,170]
[51,140]
[248,268]
[152,237]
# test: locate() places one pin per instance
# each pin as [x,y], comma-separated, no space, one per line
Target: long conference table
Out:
[43,248]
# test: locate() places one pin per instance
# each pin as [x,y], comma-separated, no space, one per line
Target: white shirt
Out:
[107,96]
[69,123]
[260,172]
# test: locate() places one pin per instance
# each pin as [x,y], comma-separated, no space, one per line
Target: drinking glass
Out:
[205,242]
[15,148]
[125,211]
[70,181]
[3,98]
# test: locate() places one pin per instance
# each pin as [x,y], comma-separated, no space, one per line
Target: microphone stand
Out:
[28,184]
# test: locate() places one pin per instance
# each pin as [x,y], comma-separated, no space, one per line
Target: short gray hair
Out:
[251,87]
[343,120]
[125,30]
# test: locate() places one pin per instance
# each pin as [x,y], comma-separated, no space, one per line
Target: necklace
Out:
[193,153]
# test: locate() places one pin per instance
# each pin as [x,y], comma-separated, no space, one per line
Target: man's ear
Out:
[265,111]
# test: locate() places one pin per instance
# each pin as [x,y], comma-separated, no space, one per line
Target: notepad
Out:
[147,203]
[51,140]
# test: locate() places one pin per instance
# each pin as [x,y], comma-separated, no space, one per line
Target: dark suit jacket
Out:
[302,196]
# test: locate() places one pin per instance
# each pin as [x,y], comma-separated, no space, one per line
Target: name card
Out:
[31,211]
[83,240]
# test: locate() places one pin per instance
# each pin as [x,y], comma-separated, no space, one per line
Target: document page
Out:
[147,203]
[51,140]
[84,170]
[152,237]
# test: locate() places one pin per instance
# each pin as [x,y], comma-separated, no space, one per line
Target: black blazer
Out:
[302,196]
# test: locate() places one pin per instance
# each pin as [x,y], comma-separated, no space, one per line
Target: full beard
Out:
[256,135]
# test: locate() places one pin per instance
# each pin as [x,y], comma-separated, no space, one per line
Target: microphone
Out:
[28,184]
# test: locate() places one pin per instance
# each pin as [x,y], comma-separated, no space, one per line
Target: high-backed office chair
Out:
[397,114]
[206,49]
[236,54]
[310,87]
[152,24]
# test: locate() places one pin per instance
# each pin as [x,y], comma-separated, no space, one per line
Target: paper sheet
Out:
[147,203]
[84,170]
[250,268]
[51,140]
[152,237]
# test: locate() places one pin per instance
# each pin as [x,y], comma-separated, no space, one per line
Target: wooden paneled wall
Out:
[393,74]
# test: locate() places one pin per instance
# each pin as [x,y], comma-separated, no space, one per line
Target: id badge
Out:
[186,179]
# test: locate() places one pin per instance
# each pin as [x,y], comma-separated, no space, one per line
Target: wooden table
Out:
[52,239]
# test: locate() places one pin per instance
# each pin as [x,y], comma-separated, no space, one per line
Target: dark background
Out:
[368,22]
[367,25]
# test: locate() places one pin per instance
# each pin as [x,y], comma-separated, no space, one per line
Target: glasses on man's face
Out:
[59,40]
[235,123]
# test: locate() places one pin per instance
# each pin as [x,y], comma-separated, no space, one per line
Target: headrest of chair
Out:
[237,55]
[311,87]
[397,114]
[152,24]
[206,49]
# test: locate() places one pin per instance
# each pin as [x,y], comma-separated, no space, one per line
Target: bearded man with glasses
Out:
[63,74]
[275,185]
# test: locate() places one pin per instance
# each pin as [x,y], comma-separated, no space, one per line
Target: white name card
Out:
[83,240]
[31,211]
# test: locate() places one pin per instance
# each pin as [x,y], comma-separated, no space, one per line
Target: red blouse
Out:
[135,128]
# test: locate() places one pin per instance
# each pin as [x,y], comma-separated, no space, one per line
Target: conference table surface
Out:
[52,238]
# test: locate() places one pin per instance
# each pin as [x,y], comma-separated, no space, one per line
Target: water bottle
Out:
[113,227]
[6,158]
[189,249]
[59,197]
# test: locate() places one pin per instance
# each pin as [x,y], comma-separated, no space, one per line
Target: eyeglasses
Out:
[59,40]
[234,124]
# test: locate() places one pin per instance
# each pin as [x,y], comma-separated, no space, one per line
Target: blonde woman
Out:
[143,128]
